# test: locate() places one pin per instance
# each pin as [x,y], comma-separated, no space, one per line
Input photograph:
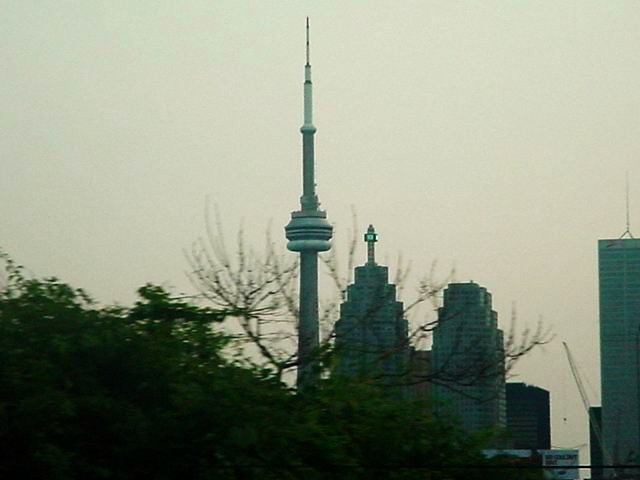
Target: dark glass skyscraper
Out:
[468,357]
[528,416]
[619,280]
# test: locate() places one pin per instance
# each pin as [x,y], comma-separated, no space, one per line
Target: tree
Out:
[148,392]
[260,291]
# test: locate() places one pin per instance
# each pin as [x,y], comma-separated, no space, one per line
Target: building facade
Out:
[371,335]
[619,289]
[468,358]
[528,416]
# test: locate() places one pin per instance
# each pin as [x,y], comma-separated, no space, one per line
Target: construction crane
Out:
[597,428]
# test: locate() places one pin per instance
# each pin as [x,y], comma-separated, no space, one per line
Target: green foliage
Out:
[88,392]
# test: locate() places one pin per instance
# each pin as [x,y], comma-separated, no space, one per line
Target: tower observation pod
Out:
[308,233]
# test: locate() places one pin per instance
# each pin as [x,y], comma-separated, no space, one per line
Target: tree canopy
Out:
[146,391]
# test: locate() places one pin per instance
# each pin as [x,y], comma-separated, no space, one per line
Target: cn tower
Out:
[308,232]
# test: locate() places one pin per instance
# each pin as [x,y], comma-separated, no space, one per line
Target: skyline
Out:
[501,132]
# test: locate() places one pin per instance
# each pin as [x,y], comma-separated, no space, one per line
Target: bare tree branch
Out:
[260,291]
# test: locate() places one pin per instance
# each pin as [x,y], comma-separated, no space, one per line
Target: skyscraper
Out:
[308,232]
[528,416]
[468,357]
[619,282]
[371,334]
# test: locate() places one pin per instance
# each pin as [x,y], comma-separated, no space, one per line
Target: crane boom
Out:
[587,404]
[576,377]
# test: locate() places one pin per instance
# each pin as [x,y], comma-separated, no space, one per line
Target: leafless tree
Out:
[257,289]
[260,290]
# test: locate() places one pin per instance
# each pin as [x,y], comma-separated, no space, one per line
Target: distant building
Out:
[528,416]
[371,334]
[619,282]
[468,357]
[595,448]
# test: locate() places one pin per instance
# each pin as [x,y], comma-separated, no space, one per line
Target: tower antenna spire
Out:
[628,230]
[308,60]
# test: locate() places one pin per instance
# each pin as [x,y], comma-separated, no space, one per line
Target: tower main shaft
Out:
[308,232]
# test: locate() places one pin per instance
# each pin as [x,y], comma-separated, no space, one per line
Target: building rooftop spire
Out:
[371,237]
[628,230]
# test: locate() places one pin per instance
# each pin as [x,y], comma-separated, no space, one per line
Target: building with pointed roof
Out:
[372,335]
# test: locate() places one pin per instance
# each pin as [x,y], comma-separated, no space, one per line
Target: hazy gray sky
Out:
[491,135]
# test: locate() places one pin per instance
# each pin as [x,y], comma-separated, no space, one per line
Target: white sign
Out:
[560,458]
